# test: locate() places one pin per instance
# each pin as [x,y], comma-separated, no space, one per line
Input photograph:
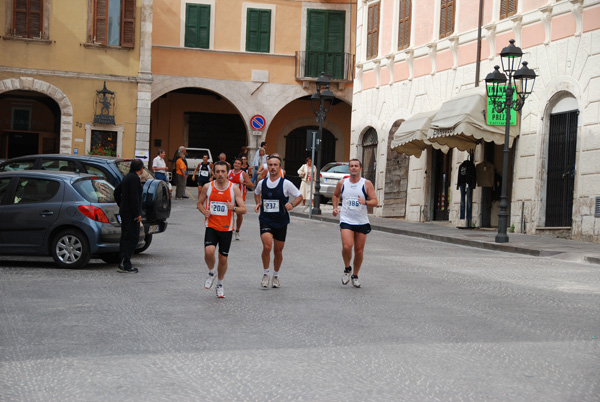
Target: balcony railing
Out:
[339,65]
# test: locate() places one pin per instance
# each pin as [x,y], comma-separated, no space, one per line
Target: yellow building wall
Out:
[67,50]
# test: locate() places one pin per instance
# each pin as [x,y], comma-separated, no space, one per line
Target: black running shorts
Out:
[279,234]
[214,237]
[365,229]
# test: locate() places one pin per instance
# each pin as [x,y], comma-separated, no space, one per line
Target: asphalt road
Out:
[433,322]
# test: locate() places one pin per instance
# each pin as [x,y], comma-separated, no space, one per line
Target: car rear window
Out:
[195,153]
[336,169]
[123,167]
[59,165]
[95,190]
[18,165]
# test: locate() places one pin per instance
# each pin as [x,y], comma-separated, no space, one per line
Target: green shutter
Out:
[258,30]
[197,26]
[325,43]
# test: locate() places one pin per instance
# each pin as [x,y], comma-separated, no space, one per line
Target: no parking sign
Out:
[258,122]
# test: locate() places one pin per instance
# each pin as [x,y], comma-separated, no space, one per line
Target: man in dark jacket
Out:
[130,210]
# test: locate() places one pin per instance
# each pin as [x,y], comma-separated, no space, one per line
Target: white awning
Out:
[461,123]
[411,137]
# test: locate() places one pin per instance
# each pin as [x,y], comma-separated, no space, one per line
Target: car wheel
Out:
[70,249]
[111,258]
[148,240]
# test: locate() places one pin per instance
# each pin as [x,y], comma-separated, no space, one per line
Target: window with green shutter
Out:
[325,43]
[258,30]
[197,25]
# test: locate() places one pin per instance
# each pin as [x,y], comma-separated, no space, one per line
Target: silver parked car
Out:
[330,175]
[68,216]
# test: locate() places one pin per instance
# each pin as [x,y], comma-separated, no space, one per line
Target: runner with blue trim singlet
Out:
[357,195]
[272,196]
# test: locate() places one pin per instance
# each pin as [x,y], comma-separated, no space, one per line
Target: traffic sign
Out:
[257,122]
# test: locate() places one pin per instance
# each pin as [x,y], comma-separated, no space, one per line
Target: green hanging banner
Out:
[499,119]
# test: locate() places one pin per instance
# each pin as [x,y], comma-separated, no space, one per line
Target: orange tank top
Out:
[221,218]
[238,178]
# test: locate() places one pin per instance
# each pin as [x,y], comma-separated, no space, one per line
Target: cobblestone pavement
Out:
[433,322]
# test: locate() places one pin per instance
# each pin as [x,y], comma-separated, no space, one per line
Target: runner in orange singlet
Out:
[219,200]
[241,178]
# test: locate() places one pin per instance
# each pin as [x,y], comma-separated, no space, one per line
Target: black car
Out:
[156,199]
[69,216]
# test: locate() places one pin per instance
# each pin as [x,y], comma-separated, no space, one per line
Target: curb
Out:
[508,248]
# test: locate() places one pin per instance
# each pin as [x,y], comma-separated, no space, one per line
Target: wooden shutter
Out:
[258,30]
[404,24]
[447,17]
[507,8]
[128,23]
[101,21]
[197,26]
[27,18]
[373,31]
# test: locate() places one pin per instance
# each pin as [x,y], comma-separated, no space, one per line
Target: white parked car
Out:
[194,157]
[330,175]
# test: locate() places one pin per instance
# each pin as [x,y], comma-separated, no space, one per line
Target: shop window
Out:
[103,143]
[404,24]
[112,23]
[373,31]
[447,10]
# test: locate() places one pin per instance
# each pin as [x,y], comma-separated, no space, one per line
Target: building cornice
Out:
[145,78]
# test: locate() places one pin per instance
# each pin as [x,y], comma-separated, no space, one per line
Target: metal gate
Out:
[561,169]
[296,153]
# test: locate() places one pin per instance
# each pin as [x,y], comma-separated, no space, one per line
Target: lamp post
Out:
[321,102]
[501,91]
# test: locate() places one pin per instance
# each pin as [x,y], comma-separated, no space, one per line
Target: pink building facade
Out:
[420,110]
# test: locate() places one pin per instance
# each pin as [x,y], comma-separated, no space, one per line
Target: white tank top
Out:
[352,212]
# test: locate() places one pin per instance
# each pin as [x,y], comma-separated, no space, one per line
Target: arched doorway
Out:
[562,146]
[369,157]
[296,153]
[29,124]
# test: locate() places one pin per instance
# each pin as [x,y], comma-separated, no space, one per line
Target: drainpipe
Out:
[477,65]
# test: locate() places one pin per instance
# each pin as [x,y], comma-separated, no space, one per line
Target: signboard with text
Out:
[499,119]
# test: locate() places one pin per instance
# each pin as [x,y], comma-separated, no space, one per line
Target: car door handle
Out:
[46,213]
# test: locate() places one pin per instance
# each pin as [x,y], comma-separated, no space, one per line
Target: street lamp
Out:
[501,94]
[321,102]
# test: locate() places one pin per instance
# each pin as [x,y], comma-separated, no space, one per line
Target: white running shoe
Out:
[220,293]
[209,281]
[265,281]
[237,235]
[276,283]
[355,282]
[346,277]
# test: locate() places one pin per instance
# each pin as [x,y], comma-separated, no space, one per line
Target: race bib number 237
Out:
[271,205]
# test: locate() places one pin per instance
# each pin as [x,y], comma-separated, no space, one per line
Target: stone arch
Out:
[310,121]
[66,108]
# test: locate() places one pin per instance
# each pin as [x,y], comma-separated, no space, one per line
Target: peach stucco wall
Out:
[387,25]
[369,80]
[532,35]
[591,19]
[444,60]
[563,26]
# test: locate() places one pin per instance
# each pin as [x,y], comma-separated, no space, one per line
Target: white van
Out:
[194,157]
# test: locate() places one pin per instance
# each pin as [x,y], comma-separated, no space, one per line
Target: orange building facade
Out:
[217,64]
